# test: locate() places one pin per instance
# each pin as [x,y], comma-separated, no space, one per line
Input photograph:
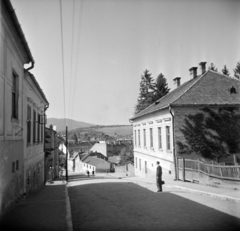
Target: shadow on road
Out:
[127,206]
[81,177]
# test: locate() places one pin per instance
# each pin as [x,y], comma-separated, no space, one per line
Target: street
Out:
[105,203]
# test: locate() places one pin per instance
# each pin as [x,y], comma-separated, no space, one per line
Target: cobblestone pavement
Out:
[102,203]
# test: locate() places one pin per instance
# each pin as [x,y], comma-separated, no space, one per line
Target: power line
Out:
[78,48]
[71,67]
[64,97]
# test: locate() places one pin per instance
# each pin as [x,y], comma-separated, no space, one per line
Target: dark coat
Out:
[159,171]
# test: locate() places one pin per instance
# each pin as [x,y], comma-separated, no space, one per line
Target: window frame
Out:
[168,138]
[151,137]
[34,126]
[15,95]
[159,137]
[29,123]
[139,138]
[135,138]
[144,137]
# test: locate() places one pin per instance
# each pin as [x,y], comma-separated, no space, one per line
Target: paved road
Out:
[102,203]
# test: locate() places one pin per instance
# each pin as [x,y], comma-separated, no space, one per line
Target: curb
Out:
[189,189]
[68,211]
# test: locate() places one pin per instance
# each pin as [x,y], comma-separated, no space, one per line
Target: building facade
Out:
[157,129]
[34,106]
[20,153]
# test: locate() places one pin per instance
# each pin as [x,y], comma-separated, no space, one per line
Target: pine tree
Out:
[237,71]
[212,67]
[225,71]
[160,87]
[146,93]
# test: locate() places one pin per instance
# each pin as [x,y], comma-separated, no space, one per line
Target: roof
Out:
[18,28]
[97,162]
[211,88]
[38,86]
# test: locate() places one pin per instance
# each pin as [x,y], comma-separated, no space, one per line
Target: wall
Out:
[33,150]
[12,59]
[100,147]
[149,156]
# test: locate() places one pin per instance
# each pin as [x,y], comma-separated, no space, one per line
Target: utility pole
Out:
[67,153]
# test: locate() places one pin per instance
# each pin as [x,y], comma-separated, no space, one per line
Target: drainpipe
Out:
[174,152]
[31,67]
[45,109]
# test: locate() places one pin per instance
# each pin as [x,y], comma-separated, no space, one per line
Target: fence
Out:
[218,171]
[125,169]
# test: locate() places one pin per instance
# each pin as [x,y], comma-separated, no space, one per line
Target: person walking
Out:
[93,173]
[88,173]
[159,177]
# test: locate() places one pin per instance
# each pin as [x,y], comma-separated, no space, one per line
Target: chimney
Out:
[203,67]
[193,72]
[177,81]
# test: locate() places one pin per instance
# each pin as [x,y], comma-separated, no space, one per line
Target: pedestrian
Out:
[159,177]
[88,173]
[92,172]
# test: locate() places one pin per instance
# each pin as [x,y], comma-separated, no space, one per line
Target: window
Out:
[29,124]
[39,130]
[151,137]
[13,167]
[136,162]
[144,137]
[168,138]
[145,166]
[135,137]
[14,96]
[139,140]
[17,165]
[139,164]
[34,127]
[159,138]
[42,128]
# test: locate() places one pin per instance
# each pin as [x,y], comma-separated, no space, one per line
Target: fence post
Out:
[183,169]
[221,171]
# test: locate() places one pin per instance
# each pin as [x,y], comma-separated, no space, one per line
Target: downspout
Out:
[45,109]
[31,67]
[174,149]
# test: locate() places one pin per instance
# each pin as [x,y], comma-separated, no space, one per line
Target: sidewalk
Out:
[47,209]
[226,193]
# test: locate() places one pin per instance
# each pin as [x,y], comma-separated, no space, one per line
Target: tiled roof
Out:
[211,88]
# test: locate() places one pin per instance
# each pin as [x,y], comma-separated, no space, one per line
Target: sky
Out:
[107,45]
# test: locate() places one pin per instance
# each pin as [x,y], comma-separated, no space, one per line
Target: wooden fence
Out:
[223,172]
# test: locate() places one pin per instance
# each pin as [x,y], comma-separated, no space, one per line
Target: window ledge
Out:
[169,151]
[160,149]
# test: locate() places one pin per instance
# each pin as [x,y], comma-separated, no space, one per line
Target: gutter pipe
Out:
[174,149]
[45,109]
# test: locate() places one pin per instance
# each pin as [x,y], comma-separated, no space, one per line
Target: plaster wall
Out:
[147,155]
[100,147]
[12,59]
[33,151]
[11,178]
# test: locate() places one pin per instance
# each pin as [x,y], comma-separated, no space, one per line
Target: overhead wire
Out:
[63,71]
[78,48]
[71,64]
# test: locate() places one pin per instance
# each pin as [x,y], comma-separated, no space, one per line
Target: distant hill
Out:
[72,124]
[116,130]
